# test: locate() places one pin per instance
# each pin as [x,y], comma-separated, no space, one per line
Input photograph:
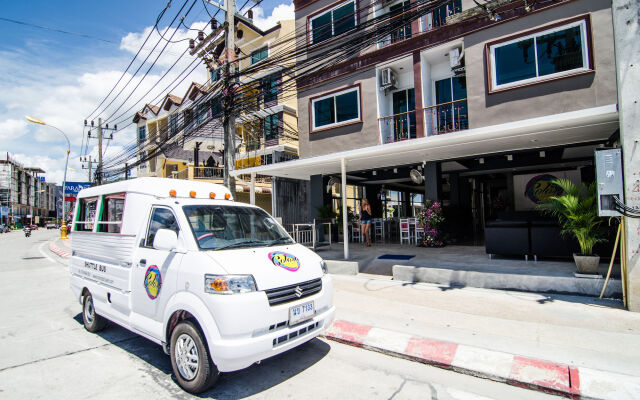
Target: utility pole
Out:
[228,119]
[626,23]
[99,171]
[101,130]
[202,50]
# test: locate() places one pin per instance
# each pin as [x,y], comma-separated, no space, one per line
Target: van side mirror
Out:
[165,239]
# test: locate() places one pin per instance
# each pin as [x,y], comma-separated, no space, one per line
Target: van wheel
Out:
[190,359]
[92,321]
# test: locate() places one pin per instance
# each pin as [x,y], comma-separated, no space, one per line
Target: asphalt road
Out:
[46,353]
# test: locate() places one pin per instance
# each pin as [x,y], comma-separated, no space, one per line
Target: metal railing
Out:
[398,127]
[446,117]
[208,172]
[184,174]
[259,178]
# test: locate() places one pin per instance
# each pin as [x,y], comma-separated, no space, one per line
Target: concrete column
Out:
[432,181]
[345,220]
[252,189]
[417,88]
[626,30]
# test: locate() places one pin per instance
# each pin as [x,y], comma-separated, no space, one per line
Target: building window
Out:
[450,111]
[271,127]
[438,17]
[541,56]
[333,22]
[173,124]
[396,12]
[270,88]
[216,107]
[142,133]
[336,109]
[215,75]
[259,55]
[201,113]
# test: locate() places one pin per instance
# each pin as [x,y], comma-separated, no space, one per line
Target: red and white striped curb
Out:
[550,377]
[55,249]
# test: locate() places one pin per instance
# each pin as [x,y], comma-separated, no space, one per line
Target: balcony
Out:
[208,173]
[447,117]
[398,127]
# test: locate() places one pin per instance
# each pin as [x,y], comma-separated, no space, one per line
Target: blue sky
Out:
[60,78]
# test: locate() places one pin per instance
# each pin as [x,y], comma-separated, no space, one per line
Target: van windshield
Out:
[219,227]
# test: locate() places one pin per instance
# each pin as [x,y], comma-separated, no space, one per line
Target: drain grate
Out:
[32,258]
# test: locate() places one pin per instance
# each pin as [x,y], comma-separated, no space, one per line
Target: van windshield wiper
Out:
[280,240]
[241,244]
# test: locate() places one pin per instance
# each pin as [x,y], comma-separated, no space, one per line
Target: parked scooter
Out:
[27,232]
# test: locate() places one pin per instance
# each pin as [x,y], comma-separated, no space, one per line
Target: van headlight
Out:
[323,265]
[229,284]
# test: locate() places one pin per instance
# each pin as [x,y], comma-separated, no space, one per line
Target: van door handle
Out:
[143,261]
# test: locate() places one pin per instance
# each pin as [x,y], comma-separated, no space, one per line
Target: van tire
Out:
[188,336]
[92,321]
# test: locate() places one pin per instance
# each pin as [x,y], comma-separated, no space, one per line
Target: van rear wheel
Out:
[190,359]
[92,321]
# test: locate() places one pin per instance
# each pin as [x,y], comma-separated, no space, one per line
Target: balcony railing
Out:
[446,117]
[398,127]
[208,172]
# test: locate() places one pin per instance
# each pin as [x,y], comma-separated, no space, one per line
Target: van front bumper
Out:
[232,355]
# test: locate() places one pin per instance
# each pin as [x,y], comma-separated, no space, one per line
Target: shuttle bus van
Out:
[220,285]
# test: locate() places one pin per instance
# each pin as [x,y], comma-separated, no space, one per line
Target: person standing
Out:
[365,221]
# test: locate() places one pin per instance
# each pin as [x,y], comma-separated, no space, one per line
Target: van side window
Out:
[86,215]
[112,209]
[161,218]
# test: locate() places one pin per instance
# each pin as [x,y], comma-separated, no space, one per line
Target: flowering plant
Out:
[430,218]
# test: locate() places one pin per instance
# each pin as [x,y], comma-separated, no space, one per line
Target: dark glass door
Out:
[404,121]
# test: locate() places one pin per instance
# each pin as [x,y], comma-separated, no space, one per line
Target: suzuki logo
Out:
[298,291]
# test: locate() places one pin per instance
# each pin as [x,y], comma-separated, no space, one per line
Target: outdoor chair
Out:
[405,233]
[356,235]
[378,227]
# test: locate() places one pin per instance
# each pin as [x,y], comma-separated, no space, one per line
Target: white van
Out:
[219,284]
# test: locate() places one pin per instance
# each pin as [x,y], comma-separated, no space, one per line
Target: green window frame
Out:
[259,54]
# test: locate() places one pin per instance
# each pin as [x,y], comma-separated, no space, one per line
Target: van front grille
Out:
[295,292]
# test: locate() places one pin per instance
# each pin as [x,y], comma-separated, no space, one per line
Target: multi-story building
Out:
[476,106]
[266,128]
[25,197]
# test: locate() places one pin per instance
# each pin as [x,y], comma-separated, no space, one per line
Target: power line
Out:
[82,35]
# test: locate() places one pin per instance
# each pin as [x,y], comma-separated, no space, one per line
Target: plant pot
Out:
[586,264]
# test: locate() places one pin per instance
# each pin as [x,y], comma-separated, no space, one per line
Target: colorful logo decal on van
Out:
[153,282]
[284,260]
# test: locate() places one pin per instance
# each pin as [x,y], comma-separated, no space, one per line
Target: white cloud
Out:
[279,13]
[12,128]
[63,95]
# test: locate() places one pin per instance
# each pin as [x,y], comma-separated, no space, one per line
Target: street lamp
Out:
[63,229]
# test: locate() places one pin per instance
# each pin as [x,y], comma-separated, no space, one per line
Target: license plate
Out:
[300,313]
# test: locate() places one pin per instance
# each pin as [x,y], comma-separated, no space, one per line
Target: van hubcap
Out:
[89,312]
[186,354]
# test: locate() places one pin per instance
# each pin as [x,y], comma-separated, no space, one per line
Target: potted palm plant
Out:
[577,212]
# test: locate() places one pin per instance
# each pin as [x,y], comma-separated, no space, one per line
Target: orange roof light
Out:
[227,196]
[192,193]
[172,193]
[212,195]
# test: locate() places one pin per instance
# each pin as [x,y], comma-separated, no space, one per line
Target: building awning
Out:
[588,125]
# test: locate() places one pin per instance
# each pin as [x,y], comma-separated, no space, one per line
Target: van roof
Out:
[158,187]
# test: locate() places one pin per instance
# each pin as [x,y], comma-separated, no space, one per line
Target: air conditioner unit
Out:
[387,79]
[454,58]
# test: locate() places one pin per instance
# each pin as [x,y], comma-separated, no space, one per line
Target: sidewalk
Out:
[575,346]
[61,248]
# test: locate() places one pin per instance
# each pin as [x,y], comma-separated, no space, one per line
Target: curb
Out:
[529,373]
[56,250]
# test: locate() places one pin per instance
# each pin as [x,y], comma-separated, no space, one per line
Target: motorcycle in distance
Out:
[27,232]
